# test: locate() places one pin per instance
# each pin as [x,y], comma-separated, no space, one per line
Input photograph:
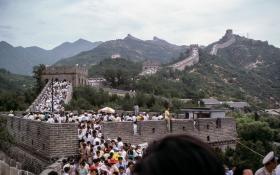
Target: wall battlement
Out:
[47,140]
[216,131]
[65,70]
[54,140]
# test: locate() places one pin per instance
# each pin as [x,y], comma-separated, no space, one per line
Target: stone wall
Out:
[228,39]
[192,59]
[47,140]
[9,166]
[217,132]
[27,161]
[39,144]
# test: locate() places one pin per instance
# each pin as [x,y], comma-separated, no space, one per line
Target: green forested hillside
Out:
[16,91]
[221,76]
[124,65]
[217,76]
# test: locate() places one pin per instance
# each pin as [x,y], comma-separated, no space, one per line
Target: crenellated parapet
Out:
[220,132]
[46,140]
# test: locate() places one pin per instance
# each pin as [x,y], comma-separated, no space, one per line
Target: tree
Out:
[37,74]
[255,139]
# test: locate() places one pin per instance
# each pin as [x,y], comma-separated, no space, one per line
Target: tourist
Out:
[122,170]
[130,168]
[11,114]
[270,163]
[277,170]
[167,117]
[179,154]
[242,170]
[66,170]
[83,170]
[53,173]
[93,170]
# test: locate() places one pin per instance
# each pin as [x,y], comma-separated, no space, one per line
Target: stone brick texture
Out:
[49,141]
[217,132]
[38,144]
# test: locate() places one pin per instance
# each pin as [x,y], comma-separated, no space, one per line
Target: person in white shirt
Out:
[50,120]
[119,143]
[129,168]
[270,163]
[277,170]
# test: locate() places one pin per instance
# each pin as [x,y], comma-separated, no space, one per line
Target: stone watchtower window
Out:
[19,125]
[218,123]
[12,123]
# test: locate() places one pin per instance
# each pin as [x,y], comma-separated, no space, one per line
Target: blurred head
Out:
[242,170]
[121,169]
[53,173]
[179,154]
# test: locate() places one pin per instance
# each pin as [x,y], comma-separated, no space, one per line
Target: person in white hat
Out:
[270,163]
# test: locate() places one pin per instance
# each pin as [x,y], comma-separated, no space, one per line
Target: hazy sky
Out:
[48,23]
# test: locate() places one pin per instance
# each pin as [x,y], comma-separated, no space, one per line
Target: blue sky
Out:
[48,23]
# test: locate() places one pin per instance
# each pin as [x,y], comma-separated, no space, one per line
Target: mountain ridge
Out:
[21,60]
[130,48]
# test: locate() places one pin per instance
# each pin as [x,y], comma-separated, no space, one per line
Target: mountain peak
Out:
[81,40]
[129,36]
[159,39]
[4,43]
[156,38]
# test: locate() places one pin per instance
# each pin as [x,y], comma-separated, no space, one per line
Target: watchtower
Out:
[77,75]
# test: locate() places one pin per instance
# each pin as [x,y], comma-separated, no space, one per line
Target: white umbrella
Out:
[107,110]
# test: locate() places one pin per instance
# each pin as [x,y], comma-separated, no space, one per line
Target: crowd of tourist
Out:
[56,93]
[101,156]
[112,156]
[71,117]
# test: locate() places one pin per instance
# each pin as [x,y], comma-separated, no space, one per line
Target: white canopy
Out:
[107,110]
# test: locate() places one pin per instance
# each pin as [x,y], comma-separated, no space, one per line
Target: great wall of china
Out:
[189,61]
[230,39]
[39,144]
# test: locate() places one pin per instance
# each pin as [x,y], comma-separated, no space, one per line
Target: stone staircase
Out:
[32,107]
